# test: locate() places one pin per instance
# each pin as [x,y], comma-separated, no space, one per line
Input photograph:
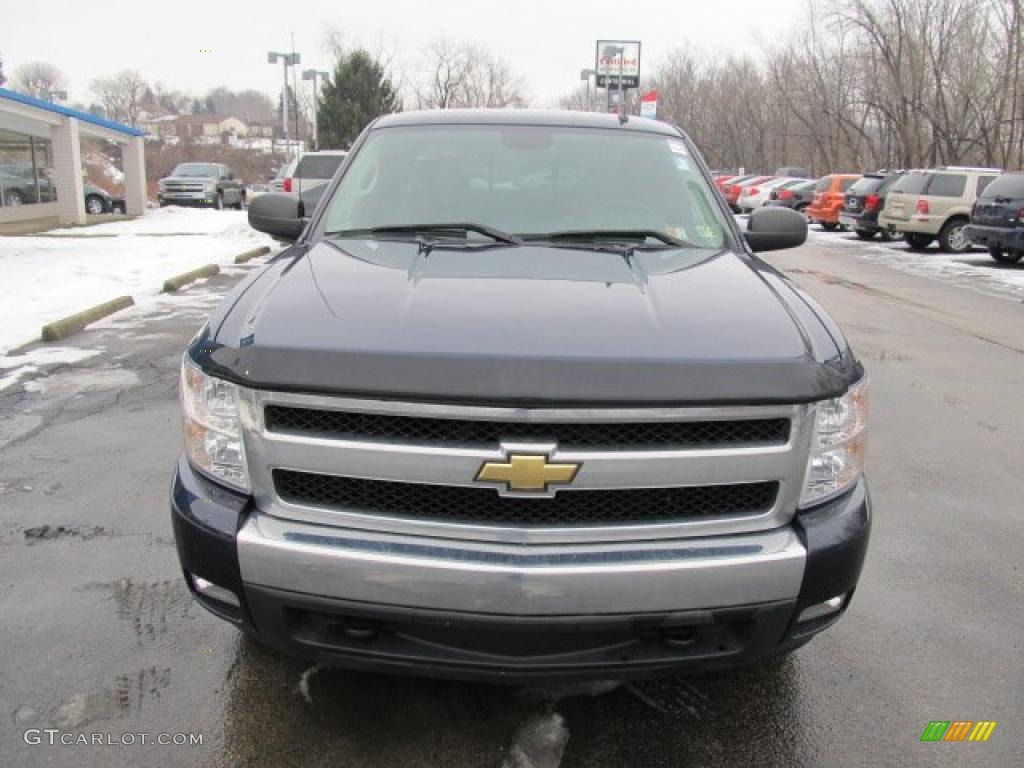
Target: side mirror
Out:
[279,216]
[773,229]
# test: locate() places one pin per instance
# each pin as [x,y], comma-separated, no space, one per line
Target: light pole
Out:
[288,59]
[313,74]
[586,74]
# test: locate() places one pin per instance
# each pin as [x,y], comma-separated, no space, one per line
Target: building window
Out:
[26,170]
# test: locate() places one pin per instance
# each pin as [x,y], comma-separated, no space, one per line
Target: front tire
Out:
[1005,257]
[864,234]
[953,237]
[94,205]
[219,204]
[918,242]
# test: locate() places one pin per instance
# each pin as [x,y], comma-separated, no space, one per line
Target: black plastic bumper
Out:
[996,237]
[515,649]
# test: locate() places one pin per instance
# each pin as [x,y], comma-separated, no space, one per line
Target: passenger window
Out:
[947,185]
[984,181]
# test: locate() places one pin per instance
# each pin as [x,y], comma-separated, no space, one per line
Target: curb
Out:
[172,284]
[241,258]
[61,329]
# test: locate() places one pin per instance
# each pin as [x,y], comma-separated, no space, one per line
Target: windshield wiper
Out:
[430,229]
[610,236]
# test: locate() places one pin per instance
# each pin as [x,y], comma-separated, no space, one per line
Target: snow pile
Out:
[49,277]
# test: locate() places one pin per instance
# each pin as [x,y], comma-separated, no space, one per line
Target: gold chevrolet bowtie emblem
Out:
[526,472]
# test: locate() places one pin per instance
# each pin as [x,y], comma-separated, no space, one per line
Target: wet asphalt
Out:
[98,634]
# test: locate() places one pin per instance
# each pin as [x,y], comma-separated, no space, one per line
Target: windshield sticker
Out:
[678,147]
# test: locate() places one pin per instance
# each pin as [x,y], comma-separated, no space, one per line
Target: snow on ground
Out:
[974,269]
[59,273]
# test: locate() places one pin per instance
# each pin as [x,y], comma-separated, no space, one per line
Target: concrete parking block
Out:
[172,284]
[67,326]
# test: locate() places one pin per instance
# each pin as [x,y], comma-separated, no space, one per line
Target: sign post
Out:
[617,62]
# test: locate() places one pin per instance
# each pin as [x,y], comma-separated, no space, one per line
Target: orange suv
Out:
[828,198]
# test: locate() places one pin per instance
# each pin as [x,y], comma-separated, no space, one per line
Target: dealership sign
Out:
[615,59]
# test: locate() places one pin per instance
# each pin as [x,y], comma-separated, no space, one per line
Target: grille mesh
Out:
[610,435]
[484,505]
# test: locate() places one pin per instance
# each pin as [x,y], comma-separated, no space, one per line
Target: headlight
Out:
[213,429]
[210,186]
[840,440]
[161,184]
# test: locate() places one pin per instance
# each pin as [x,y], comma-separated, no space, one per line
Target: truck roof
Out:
[541,117]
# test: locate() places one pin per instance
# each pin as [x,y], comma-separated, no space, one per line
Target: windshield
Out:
[204,170]
[527,181]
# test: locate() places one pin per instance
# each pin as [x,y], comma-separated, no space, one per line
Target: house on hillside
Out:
[210,126]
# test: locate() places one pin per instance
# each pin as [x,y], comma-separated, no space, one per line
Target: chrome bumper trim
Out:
[516,580]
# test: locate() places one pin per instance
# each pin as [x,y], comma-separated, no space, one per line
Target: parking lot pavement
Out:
[98,633]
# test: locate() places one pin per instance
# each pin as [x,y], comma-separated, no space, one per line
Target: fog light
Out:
[212,591]
[821,610]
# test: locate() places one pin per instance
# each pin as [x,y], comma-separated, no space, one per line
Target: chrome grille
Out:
[347,425]
[483,505]
[410,468]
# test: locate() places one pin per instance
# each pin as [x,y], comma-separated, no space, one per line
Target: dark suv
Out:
[997,219]
[864,201]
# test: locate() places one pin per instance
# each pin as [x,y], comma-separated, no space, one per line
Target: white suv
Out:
[926,204]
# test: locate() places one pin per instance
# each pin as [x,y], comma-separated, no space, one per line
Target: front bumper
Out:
[517,613]
[997,237]
[186,198]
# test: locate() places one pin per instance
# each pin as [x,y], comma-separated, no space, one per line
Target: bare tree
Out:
[122,95]
[36,78]
[466,75]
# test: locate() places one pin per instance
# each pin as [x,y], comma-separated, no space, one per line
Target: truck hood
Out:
[529,324]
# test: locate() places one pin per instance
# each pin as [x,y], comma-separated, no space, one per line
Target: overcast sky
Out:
[547,42]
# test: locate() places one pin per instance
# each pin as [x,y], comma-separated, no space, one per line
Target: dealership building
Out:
[41,171]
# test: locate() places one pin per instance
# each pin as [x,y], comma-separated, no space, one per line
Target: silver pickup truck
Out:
[519,401]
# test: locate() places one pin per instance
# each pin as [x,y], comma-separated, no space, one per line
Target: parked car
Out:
[372,474]
[210,185]
[757,195]
[827,199]
[793,171]
[724,184]
[795,195]
[308,171]
[864,202]
[929,204]
[733,191]
[997,220]
[18,186]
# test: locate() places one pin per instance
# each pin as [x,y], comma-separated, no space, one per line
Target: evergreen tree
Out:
[358,92]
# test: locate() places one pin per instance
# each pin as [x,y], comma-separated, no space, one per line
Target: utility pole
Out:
[313,74]
[287,59]
[586,74]
[295,93]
